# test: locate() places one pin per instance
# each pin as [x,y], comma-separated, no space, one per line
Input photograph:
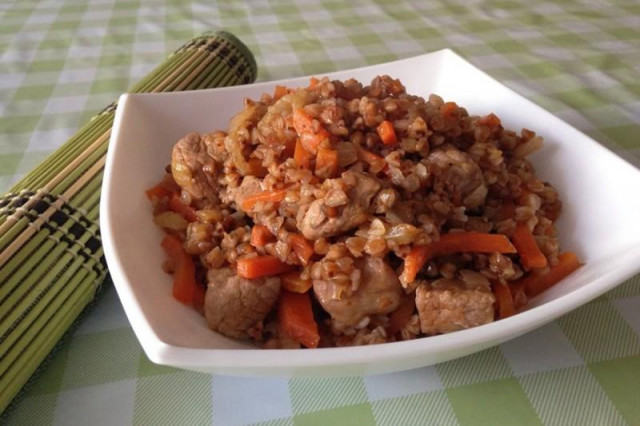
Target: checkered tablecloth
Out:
[61,61]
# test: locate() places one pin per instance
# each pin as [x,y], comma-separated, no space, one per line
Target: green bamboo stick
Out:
[31,287]
[54,164]
[213,78]
[51,333]
[79,200]
[207,67]
[73,176]
[51,297]
[156,78]
[183,73]
[208,79]
[12,233]
[35,246]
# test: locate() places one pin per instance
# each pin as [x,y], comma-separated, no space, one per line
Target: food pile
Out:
[342,214]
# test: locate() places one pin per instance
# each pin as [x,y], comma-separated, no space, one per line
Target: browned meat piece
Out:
[455,173]
[360,190]
[234,306]
[379,292]
[192,168]
[449,305]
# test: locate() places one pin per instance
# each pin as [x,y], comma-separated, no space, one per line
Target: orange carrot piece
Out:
[449,110]
[291,281]
[400,317]
[279,92]
[459,242]
[184,276]
[158,191]
[289,149]
[176,205]
[530,254]
[302,156]
[302,121]
[332,212]
[265,197]
[256,168]
[310,138]
[490,120]
[313,82]
[374,161]
[414,261]
[387,133]
[311,141]
[163,189]
[301,247]
[295,315]
[504,300]
[535,284]
[327,162]
[260,266]
[260,236]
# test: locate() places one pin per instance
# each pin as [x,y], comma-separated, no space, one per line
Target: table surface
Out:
[61,61]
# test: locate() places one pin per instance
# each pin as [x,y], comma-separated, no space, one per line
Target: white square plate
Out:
[600,192]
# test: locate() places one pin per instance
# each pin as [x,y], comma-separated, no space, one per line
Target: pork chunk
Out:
[233,305]
[460,176]
[193,168]
[448,305]
[379,292]
[314,223]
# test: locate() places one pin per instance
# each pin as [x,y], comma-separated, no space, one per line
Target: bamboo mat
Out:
[51,259]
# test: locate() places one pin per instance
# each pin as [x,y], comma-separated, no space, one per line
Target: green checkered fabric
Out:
[61,61]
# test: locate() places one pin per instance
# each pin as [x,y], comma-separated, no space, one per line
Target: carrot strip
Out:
[331,212]
[302,156]
[401,316]
[504,300]
[158,191]
[260,266]
[265,197]
[310,138]
[291,281]
[256,168]
[311,141]
[260,236]
[164,188]
[327,162]
[313,82]
[414,261]
[289,149]
[449,110]
[374,161]
[490,120]
[279,92]
[530,254]
[176,205]
[184,277]
[459,242]
[535,284]
[295,315]
[387,133]
[301,247]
